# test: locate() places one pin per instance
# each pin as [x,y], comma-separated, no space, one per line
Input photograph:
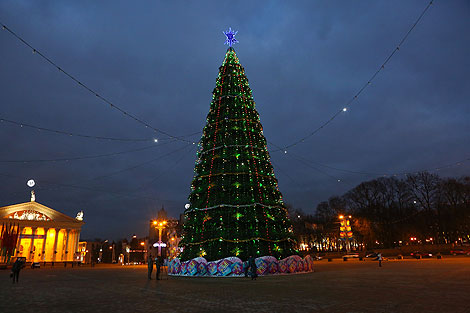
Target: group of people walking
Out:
[158,264]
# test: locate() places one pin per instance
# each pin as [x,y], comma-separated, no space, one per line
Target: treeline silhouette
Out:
[388,212]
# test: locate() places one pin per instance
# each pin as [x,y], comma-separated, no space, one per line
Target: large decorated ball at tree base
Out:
[282,266]
[224,267]
[191,268]
[237,265]
[201,269]
[184,268]
[234,266]
[175,266]
[291,265]
[269,259]
[212,268]
[273,267]
[234,259]
[237,268]
[200,260]
[305,265]
[262,266]
[309,261]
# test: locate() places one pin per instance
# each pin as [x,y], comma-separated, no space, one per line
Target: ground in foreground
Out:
[352,286]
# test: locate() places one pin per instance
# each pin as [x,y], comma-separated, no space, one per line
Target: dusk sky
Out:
[159,61]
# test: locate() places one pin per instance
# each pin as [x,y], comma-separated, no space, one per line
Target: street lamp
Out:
[101,251]
[345,230]
[160,225]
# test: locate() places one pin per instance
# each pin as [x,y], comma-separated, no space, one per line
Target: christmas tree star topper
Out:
[230,34]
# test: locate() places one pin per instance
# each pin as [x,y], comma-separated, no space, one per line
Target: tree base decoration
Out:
[235,267]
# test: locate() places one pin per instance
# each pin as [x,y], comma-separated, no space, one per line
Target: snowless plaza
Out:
[409,285]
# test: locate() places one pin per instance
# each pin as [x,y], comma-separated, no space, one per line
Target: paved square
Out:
[353,286]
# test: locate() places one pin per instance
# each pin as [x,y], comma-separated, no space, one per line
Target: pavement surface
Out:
[427,285]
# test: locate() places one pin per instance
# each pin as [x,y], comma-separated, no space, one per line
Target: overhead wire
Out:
[346,107]
[86,87]
[386,174]
[370,173]
[73,134]
[85,157]
[77,186]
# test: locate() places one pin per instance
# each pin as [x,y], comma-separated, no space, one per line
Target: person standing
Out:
[15,270]
[379,257]
[246,267]
[150,266]
[253,267]
[158,264]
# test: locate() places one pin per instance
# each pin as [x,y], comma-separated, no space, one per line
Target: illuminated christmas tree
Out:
[236,208]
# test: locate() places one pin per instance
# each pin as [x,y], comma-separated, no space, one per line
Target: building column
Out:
[77,239]
[43,250]
[71,244]
[20,230]
[31,247]
[65,250]
[54,252]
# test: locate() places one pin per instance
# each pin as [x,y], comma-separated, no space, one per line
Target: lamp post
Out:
[100,255]
[345,230]
[160,225]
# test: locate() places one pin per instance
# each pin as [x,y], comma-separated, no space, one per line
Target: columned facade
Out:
[45,235]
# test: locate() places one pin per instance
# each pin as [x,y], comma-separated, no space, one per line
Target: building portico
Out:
[45,235]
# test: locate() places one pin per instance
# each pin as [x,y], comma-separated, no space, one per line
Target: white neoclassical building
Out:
[45,235]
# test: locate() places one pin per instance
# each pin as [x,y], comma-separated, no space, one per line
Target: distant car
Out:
[317,257]
[419,255]
[371,255]
[351,255]
[460,252]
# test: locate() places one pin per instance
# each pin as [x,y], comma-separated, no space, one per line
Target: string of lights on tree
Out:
[348,104]
[235,206]
[73,134]
[89,89]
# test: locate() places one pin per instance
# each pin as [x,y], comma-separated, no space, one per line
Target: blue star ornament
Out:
[230,34]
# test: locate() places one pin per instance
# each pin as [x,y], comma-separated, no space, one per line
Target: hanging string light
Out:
[358,93]
[89,89]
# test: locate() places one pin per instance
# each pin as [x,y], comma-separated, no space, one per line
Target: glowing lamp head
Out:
[31,183]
